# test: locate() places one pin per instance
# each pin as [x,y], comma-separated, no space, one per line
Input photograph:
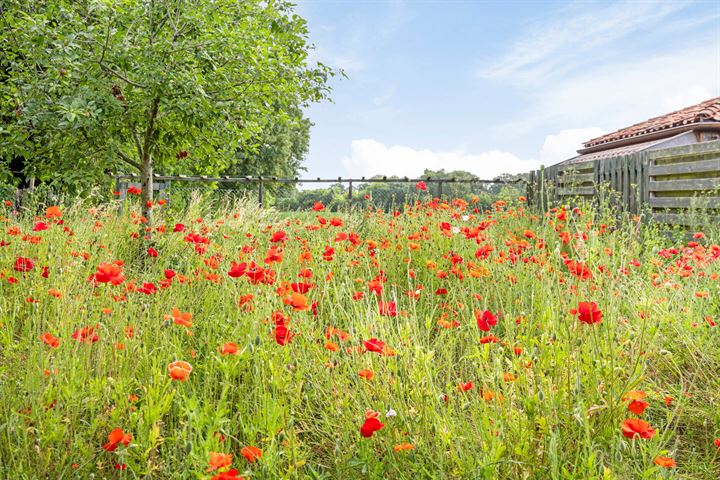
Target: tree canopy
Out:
[177,86]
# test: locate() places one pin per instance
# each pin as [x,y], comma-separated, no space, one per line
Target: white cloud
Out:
[345,60]
[586,67]
[688,96]
[618,95]
[564,145]
[548,48]
[369,157]
[384,97]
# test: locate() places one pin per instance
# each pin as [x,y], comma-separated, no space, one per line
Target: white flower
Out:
[391,413]
[466,218]
[455,229]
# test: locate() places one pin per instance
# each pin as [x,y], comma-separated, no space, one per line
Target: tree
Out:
[279,151]
[174,85]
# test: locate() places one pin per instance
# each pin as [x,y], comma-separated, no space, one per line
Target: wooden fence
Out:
[676,185]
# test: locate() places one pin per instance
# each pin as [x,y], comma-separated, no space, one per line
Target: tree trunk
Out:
[147,163]
[146,177]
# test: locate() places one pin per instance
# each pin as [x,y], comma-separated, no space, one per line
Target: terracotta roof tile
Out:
[707,111]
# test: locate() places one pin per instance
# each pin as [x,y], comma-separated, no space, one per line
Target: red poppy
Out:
[180,370]
[108,273]
[180,318]
[421,186]
[637,406]
[328,253]
[257,275]
[219,460]
[489,339]
[278,236]
[374,345]
[86,335]
[229,475]
[116,437]
[370,426]
[388,309]
[147,288]
[274,255]
[634,426]
[152,252]
[297,301]
[665,462]
[318,206]
[485,320]
[251,453]
[282,334]
[53,212]
[229,348]
[464,387]
[299,287]
[50,340]
[23,264]
[237,269]
[588,312]
[579,269]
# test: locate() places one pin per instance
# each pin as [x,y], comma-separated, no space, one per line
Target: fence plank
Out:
[686,150]
[577,178]
[701,166]
[632,181]
[685,185]
[576,191]
[685,202]
[684,219]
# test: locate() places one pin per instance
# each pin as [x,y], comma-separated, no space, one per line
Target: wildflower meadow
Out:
[438,339]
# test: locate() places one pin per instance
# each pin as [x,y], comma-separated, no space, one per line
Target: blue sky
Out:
[498,86]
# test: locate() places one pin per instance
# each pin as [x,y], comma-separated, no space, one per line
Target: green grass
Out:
[303,404]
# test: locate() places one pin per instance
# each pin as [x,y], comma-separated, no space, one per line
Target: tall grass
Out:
[548,394]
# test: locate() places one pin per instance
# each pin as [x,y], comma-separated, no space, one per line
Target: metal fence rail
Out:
[163,182]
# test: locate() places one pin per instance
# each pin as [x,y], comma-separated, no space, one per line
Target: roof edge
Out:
[657,135]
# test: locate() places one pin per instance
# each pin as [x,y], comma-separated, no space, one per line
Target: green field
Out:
[438,341]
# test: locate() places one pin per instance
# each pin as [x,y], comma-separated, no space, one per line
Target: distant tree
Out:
[169,85]
[277,151]
[333,197]
[515,179]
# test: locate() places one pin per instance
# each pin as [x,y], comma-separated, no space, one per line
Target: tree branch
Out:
[105,47]
[129,160]
[152,115]
[121,76]
[136,140]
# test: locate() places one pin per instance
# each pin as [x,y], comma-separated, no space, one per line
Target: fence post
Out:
[541,187]
[350,190]
[440,192]
[121,188]
[529,188]
[261,192]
